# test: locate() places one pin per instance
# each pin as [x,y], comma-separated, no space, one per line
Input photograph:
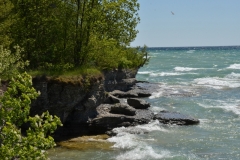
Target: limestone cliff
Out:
[75,101]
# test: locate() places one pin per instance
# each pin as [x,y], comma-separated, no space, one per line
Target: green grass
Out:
[77,76]
[82,71]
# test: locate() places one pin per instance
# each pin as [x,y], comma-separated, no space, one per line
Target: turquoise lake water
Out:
[203,82]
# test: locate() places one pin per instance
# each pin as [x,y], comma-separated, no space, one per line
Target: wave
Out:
[233,75]
[234,66]
[144,72]
[230,106]
[162,74]
[136,147]
[181,90]
[191,51]
[152,126]
[217,83]
[186,69]
[146,152]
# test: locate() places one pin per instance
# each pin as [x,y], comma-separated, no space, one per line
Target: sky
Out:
[194,23]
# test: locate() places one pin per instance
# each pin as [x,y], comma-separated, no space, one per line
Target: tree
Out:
[66,33]
[14,111]
[6,20]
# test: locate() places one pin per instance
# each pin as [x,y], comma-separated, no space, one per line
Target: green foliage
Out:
[7,19]
[10,62]
[60,35]
[14,111]
[108,56]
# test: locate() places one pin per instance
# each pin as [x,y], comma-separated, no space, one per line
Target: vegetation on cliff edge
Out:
[60,35]
[57,37]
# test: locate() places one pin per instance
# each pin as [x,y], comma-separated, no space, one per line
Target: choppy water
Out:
[202,82]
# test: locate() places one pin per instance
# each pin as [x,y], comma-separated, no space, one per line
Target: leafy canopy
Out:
[65,34]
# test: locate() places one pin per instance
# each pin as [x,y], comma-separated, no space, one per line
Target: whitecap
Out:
[139,129]
[162,74]
[233,75]
[202,121]
[141,153]
[234,66]
[182,90]
[152,126]
[144,72]
[186,69]
[230,106]
[124,140]
[156,95]
[191,51]
[156,109]
[216,82]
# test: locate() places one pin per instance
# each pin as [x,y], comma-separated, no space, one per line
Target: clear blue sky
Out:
[194,23]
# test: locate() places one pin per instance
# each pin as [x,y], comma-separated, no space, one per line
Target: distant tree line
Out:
[64,34]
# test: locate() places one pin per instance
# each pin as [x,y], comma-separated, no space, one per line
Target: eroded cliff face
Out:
[75,101]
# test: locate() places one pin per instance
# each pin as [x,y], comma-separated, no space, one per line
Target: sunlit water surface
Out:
[210,76]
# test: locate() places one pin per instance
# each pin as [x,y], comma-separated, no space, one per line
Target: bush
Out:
[14,111]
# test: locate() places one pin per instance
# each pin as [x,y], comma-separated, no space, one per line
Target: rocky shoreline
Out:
[128,109]
[114,100]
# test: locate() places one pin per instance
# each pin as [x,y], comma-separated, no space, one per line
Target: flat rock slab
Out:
[136,92]
[138,103]
[168,117]
[112,99]
[123,109]
[117,115]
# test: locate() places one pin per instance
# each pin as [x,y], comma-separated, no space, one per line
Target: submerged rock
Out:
[88,142]
[168,117]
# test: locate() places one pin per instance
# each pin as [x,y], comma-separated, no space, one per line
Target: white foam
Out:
[233,75]
[234,66]
[156,95]
[141,153]
[230,106]
[140,129]
[144,72]
[217,83]
[162,74]
[156,109]
[174,90]
[202,121]
[186,69]
[152,126]
[124,140]
[191,51]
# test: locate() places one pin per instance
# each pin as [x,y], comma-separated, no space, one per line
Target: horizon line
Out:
[196,46]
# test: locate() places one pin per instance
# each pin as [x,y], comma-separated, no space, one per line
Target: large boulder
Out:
[119,79]
[168,117]
[138,103]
